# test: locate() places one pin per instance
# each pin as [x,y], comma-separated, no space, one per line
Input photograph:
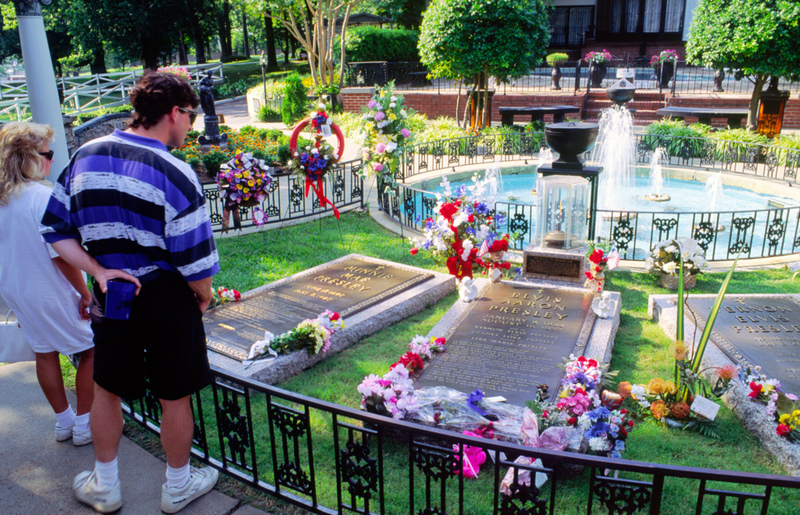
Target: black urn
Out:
[570,140]
[621,92]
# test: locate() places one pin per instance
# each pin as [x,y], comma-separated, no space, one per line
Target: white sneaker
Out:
[201,481]
[104,499]
[81,437]
[63,433]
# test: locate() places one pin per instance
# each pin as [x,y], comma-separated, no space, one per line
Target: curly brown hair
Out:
[156,94]
[20,161]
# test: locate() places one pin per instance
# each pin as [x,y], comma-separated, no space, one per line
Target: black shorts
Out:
[163,342]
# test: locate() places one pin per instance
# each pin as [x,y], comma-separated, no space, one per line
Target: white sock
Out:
[107,474]
[178,477]
[66,418]
[82,422]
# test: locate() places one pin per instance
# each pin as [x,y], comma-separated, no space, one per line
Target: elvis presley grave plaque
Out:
[513,339]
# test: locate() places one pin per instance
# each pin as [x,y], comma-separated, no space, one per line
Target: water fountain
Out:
[656,177]
[615,149]
[713,190]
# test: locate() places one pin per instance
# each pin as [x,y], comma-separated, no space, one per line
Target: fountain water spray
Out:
[615,152]
[656,176]
[713,190]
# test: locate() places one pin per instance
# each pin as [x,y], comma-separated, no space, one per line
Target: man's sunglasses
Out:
[192,114]
[49,154]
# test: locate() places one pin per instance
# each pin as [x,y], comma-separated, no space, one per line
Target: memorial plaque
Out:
[757,331]
[555,267]
[512,340]
[346,287]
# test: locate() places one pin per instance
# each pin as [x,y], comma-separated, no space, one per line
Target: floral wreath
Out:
[314,162]
[244,181]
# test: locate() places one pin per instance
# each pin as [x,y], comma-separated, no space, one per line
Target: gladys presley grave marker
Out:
[347,287]
[512,340]
[755,331]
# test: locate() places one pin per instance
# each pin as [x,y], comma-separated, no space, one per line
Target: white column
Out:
[41,81]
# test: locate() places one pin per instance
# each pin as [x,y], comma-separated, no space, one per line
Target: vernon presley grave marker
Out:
[346,287]
[511,341]
[756,330]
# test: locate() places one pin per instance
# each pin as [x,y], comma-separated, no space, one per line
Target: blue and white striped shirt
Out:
[135,207]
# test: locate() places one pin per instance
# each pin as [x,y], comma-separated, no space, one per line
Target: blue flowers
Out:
[481,208]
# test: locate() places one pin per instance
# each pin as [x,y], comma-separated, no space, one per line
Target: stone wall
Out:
[95,128]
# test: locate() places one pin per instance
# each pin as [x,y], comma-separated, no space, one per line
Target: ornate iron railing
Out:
[268,438]
[756,233]
[286,199]
[687,79]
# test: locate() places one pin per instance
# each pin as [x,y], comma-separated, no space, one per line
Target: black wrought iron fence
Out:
[286,200]
[754,233]
[328,459]
[574,75]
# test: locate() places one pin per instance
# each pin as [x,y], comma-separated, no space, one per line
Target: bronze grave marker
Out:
[346,287]
[511,341]
[755,331]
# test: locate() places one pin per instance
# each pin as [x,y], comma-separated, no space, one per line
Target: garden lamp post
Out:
[39,75]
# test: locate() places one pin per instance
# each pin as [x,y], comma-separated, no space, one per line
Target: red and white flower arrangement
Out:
[600,259]
[222,295]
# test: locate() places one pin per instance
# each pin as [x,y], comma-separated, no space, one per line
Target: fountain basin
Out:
[621,92]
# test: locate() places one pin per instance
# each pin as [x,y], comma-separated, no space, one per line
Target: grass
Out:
[641,352]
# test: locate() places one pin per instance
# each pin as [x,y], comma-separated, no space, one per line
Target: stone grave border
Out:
[663,310]
[358,326]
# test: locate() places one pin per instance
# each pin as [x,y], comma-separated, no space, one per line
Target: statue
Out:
[207,95]
[210,118]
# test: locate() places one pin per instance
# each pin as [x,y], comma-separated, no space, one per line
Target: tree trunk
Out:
[183,57]
[197,37]
[458,98]
[98,64]
[223,48]
[752,116]
[467,115]
[244,32]
[288,49]
[272,55]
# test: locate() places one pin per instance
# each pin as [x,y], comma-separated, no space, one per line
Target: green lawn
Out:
[640,353]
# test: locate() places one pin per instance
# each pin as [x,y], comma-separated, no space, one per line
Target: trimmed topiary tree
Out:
[293,107]
[757,39]
[478,39]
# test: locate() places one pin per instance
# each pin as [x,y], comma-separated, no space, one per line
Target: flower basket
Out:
[670,281]
[244,181]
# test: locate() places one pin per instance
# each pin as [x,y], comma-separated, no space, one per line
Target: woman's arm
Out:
[76,279]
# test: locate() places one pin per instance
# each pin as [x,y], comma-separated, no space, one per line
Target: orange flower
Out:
[726,373]
[679,410]
[624,389]
[659,410]
[656,386]
[680,351]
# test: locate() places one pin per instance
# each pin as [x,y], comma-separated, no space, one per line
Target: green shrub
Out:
[670,134]
[369,43]
[788,141]
[295,99]
[213,159]
[556,57]
[268,114]
[230,89]
[349,123]
[85,117]
[441,128]
[284,153]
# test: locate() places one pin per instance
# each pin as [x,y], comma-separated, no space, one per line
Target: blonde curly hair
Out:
[20,161]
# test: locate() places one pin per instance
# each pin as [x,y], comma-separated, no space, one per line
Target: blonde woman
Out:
[49,296]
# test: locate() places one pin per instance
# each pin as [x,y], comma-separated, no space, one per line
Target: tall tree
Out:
[269,34]
[313,24]
[756,39]
[478,39]
[224,30]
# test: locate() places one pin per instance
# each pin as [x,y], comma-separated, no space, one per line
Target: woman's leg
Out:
[84,381]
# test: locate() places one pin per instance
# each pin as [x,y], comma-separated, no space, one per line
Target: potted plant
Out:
[664,65]
[665,258]
[597,66]
[554,60]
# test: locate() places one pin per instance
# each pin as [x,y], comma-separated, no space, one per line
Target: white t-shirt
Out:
[44,302]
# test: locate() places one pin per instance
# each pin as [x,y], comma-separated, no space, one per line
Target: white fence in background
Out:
[88,93]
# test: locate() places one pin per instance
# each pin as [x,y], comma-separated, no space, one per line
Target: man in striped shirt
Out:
[141,215]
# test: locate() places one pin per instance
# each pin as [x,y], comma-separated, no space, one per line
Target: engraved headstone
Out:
[512,339]
[346,286]
[757,331]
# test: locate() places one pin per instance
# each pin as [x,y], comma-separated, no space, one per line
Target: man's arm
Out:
[203,293]
[76,279]
[73,253]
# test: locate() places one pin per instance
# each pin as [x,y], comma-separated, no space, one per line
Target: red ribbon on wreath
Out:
[314,179]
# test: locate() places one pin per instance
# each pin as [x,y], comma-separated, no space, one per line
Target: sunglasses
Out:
[49,154]
[192,114]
